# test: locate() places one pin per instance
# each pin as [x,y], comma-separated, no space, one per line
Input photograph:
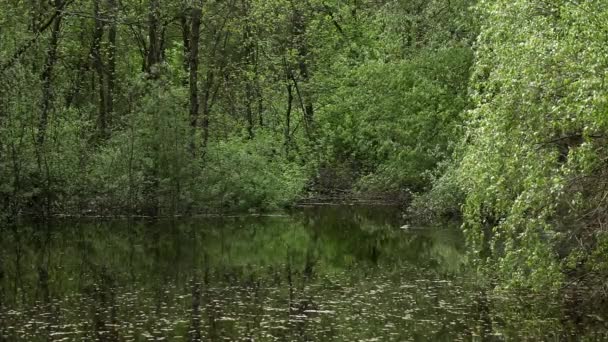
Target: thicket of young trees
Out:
[165,107]
[493,110]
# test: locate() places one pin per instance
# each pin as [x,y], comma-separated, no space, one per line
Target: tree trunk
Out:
[207,101]
[249,83]
[251,64]
[288,117]
[47,74]
[195,14]
[299,32]
[45,107]
[154,53]
[99,68]
[111,74]
[258,88]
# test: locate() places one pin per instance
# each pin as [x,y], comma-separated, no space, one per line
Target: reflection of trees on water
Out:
[42,242]
[318,276]
[2,280]
[218,270]
[484,316]
[16,241]
[103,305]
[195,314]
[300,302]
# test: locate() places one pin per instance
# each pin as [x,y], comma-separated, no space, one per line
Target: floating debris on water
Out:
[287,279]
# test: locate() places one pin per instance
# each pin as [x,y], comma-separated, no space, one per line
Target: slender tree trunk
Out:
[260,107]
[250,60]
[111,72]
[46,104]
[299,32]
[205,125]
[249,91]
[249,110]
[195,14]
[154,52]
[99,67]
[287,132]
[154,57]
[47,74]
[206,105]
[258,88]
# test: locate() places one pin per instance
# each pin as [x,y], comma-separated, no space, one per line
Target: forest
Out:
[490,113]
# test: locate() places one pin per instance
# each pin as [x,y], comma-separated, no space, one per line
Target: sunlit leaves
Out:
[535,130]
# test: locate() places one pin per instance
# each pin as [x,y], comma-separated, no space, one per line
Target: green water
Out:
[317,274]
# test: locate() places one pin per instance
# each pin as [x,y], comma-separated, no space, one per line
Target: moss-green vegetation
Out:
[529,174]
[185,107]
[493,111]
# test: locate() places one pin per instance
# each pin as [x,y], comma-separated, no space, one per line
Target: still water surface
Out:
[317,274]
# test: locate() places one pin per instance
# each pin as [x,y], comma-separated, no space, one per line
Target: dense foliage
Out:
[530,171]
[493,110]
[184,106]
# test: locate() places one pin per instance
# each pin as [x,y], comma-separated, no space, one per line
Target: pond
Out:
[329,273]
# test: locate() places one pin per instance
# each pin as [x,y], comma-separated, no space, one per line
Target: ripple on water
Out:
[281,279]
